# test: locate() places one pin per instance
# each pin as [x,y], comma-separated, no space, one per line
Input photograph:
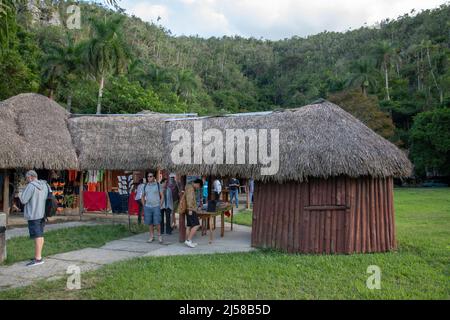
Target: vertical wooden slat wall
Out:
[336,215]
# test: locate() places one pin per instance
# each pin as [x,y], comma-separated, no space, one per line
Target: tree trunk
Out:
[50,96]
[433,76]
[386,75]
[69,103]
[100,95]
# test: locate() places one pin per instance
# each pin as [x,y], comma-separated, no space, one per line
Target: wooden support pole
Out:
[81,205]
[181,216]
[2,237]
[6,193]
[247,193]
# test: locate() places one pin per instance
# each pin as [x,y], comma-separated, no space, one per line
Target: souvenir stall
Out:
[110,191]
[63,183]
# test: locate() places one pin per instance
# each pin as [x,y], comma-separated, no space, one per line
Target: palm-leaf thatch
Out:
[128,142]
[34,134]
[318,140]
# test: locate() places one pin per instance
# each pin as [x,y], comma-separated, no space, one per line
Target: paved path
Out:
[55,266]
[23,232]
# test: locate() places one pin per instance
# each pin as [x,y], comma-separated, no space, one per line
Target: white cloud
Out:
[273,19]
[149,12]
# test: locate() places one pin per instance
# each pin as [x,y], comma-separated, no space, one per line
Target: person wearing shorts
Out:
[33,198]
[192,221]
[152,200]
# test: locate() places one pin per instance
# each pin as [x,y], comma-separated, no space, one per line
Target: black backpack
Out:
[51,204]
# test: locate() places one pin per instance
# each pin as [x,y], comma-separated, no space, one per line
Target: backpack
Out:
[50,203]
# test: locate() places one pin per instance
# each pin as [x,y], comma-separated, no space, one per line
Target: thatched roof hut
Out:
[119,142]
[319,140]
[34,134]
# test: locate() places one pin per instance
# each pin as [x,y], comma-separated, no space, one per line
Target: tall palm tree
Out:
[363,74]
[385,52]
[61,65]
[106,51]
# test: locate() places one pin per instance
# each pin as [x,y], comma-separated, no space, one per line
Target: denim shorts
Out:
[36,228]
[152,215]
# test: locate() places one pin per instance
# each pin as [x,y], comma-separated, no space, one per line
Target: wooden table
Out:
[209,217]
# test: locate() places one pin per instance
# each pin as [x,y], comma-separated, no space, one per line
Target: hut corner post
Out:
[247,194]
[2,237]
[6,193]
[81,206]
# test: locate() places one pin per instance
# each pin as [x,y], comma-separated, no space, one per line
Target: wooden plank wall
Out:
[337,215]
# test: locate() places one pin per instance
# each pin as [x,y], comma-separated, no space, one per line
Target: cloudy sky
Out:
[270,19]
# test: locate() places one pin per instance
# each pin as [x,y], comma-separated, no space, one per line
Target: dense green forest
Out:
[394,76]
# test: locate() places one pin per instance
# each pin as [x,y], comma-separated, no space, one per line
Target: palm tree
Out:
[186,83]
[61,65]
[106,51]
[385,53]
[363,74]
[7,23]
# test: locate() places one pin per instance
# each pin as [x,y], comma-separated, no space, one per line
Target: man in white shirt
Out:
[138,197]
[217,188]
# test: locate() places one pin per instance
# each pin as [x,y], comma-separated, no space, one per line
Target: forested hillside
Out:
[395,77]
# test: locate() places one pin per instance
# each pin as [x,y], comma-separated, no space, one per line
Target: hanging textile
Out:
[100,175]
[94,201]
[133,207]
[92,186]
[119,202]
[72,175]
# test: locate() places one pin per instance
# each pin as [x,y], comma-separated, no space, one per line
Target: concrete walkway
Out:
[55,266]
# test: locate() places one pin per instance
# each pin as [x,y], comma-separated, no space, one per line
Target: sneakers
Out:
[160,239]
[150,240]
[35,262]
[190,244]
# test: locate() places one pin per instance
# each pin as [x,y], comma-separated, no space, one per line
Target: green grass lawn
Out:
[244,218]
[63,240]
[418,270]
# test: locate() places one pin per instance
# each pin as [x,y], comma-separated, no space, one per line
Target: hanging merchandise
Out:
[125,184]
[95,201]
[100,175]
[72,175]
[57,184]
[92,180]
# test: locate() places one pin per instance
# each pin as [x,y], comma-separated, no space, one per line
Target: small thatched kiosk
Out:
[34,134]
[333,192]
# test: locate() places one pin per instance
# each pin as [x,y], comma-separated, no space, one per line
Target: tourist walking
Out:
[193,222]
[152,200]
[233,187]
[166,209]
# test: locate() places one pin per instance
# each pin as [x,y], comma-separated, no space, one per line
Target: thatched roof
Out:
[318,140]
[118,142]
[34,134]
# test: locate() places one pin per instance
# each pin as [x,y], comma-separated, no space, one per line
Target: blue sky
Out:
[270,19]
